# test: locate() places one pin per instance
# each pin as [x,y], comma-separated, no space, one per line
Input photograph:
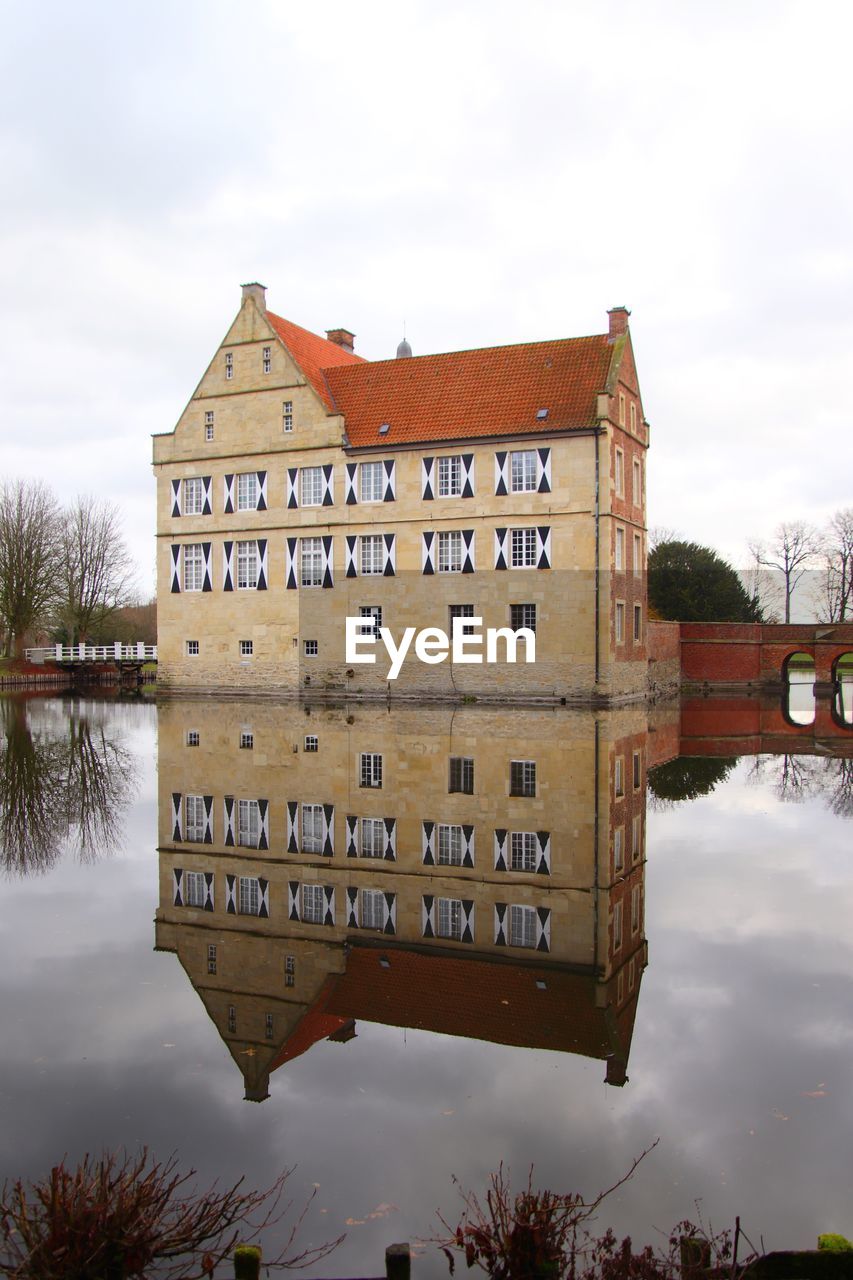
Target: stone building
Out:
[304,485]
[470,871]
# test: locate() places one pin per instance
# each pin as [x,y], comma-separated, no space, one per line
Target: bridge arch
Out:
[842,696]
[798,698]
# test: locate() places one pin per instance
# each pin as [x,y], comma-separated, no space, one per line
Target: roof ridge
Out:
[506,346]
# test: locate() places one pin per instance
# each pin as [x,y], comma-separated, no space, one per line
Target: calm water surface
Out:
[735,1037]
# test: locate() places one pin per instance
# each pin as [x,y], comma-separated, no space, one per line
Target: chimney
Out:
[258,292]
[341,338]
[618,321]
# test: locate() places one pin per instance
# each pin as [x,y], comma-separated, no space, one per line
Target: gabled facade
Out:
[303,485]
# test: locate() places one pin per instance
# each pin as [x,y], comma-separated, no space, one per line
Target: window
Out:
[632,973]
[193,738]
[461,775]
[523,851]
[638,554]
[192,648]
[522,615]
[638,623]
[370,769]
[450,476]
[449,845]
[621,409]
[267,358]
[635,909]
[522,778]
[312,828]
[250,896]
[460,611]
[312,648]
[248,823]
[372,909]
[313,905]
[633,410]
[619,622]
[268,1020]
[232,1020]
[311,562]
[450,918]
[619,554]
[637,770]
[522,926]
[229,366]
[522,476]
[287,415]
[371,557]
[312,742]
[618,849]
[247,648]
[637,493]
[523,548]
[619,473]
[195,818]
[193,555]
[211,958]
[193,502]
[247,741]
[617,926]
[636,837]
[194,888]
[450,552]
[373,611]
[290,971]
[311,486]
[247,491]
[371,477]
[618,778]
[247,565]
[208,424]
[372,837]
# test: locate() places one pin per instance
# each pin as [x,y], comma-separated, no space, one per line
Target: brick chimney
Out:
[258,292]
[618,321]
[342,338]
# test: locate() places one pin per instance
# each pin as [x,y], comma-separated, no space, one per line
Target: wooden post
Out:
[398,1262]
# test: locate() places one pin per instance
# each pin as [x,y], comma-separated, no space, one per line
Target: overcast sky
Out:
[491,172]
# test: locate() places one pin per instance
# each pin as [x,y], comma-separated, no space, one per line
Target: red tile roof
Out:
[313,354]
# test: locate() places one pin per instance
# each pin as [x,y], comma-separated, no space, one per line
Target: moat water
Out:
[727,1036]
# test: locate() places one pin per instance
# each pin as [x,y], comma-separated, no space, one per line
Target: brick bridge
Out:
[759,653]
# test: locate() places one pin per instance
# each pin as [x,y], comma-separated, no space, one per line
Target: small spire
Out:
[404,351]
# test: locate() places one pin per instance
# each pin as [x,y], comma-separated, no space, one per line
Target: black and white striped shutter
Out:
[177,816]
[467,475]
[176,567]
[467,550]
[389,555]
[467,845]
[351,555]
[428,842]
[290,555]
[351,484]
[500,924]
[501,548]
[328,499]
[292,488]
[328,566]
[328,830]
[293,899]
[264,895]
[228,809]
[329,895]
[292,826]
[352,908]
[176,498]
[208,819]
[500,849]
[543,548]
[390,839]
[390,913]
[263,565]
[228,485]
[228,566]
[352,835]
[177,888]
[207,501]
[501,474]
[428,552]
[543,470]
[389,491]
[208,890]
[264,833]
[207,580]
[467,920]
[427,479]
[543,862]
[543,928]
[261,504]
[230,895]
[428,915]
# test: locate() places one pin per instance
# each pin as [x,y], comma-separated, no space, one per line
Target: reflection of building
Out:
[303,484]
[468,871]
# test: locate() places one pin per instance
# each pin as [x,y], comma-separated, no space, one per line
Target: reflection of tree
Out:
[839,786]
[57,788]
[793,778]
[687,778]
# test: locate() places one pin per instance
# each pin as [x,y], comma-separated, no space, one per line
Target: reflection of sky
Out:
[744,1010]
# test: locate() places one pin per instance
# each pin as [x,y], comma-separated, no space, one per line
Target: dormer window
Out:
[229,365]
[267,359]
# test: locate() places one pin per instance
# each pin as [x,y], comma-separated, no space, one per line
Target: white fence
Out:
[93,653]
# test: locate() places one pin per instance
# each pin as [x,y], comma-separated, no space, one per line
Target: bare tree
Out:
[30,556]
[836,592]
[97,570]
[791,551]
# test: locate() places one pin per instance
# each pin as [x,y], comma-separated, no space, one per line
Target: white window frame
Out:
[638,555]
[633,415]
[448,918]
[311,743]
[619,550]
[192,556]
[618,849]
[523,851]
[310,562]
[247,491]
[370,770]
[449,475]
[371,548]
[371,481]
[372,837]
[450,843]
[311,648]
[229,366]
[195,889]
[638,624]
[522,471]
[311,486]
[637,482]
[523,547]
[195,819]
[313,904]
[287,416]
[192,648]
[267,359]
[208,424]
[522,926]
[463,766]
[248,824]
[193,738]
[373,612]
[619,622]
[618,777]
[526,773]
[192,502]
[372,909]
[247,648]
[248,896]
[526,618]
[619,472]
[450,551]
[311,828]
[248,565]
